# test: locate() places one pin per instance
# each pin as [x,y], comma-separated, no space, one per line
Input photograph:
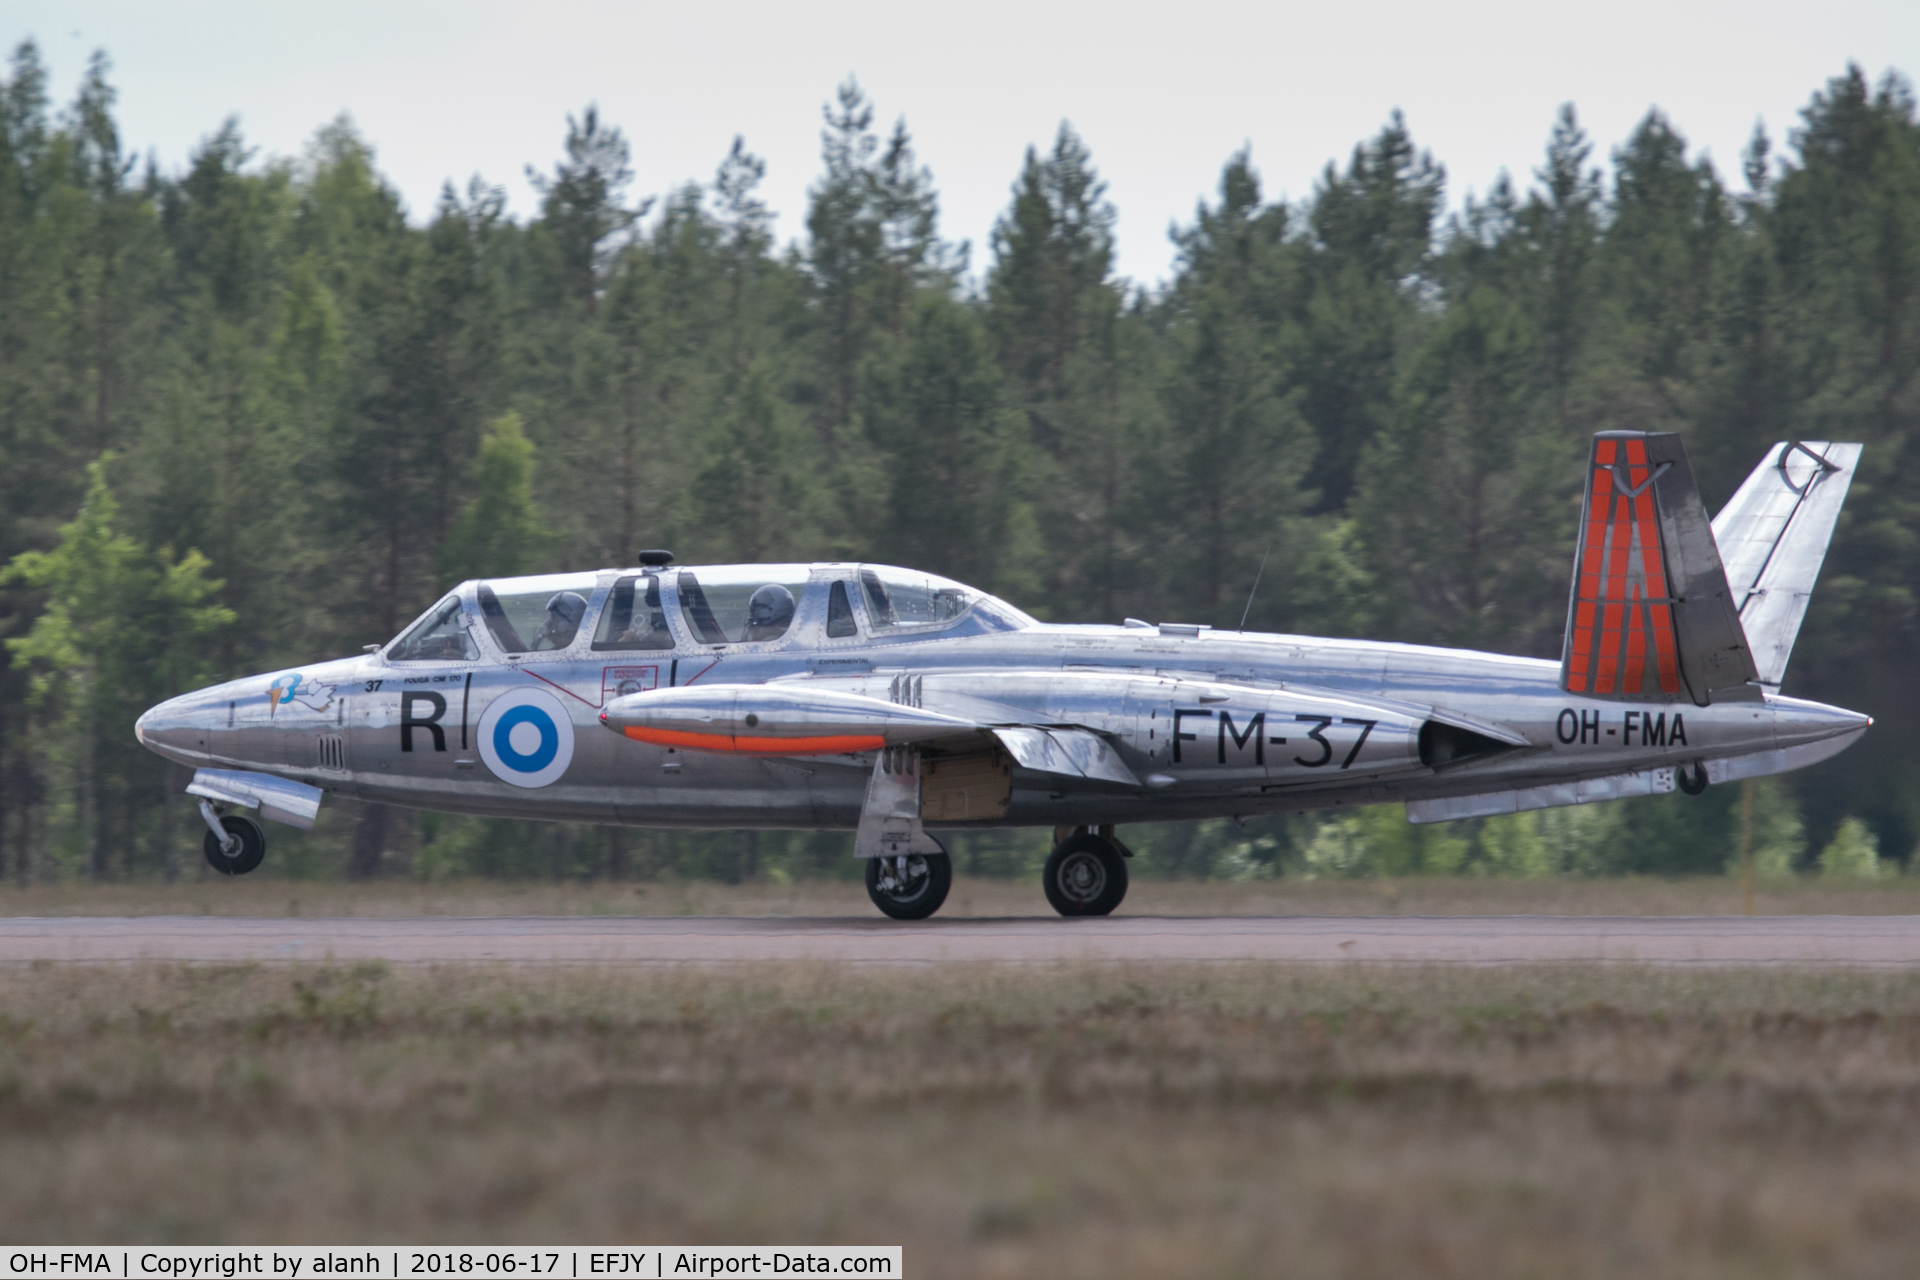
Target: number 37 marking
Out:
[1318,734]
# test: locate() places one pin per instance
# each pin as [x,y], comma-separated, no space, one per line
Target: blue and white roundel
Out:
[526,738]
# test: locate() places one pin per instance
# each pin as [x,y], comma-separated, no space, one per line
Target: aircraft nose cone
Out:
[176,729]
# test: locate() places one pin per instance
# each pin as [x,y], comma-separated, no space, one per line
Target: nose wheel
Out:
[238,847]
[911,886]
[1085,875]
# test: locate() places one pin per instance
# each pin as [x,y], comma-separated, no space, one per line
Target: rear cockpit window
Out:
[633,618]
[535,615]
[840,613]
[440,636]
[901,598]
[750,604]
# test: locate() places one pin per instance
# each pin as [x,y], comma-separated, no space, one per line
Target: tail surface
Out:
[1773,535]
[1651,615]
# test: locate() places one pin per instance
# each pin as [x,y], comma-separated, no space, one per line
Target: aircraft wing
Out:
[790,719]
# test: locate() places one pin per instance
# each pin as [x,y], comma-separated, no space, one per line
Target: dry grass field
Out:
[1435,895]
[998,1121]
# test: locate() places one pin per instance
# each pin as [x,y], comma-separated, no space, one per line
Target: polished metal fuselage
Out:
[1176,703]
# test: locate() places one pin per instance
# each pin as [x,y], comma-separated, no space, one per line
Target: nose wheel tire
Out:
[909,887]
[1085,876]
[250,846]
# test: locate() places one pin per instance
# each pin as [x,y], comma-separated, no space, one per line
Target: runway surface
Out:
[1880,941]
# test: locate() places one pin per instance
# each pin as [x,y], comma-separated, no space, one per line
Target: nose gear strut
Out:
[228,842]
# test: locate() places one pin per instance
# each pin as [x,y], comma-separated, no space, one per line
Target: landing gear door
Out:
[890,817]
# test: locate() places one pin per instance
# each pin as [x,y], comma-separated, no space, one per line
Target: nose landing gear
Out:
[1086,874]
[234,843]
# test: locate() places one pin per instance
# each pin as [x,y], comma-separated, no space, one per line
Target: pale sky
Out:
[1162,94]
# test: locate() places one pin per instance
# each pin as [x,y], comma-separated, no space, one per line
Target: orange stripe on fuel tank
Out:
[732,745]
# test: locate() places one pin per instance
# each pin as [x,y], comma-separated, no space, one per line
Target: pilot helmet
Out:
[769,612]
[564,612]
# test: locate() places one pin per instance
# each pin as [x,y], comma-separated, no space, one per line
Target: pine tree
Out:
[122,628]
[582,204]
[1561,226]
[1239,453]
[1055,315]
[1371,232]
[949,452]
[1461,499]
[500,533]
[872,225]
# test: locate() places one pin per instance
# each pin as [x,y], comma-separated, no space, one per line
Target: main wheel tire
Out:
[1692,778]
[253,846]
[1085,876]
[909,887]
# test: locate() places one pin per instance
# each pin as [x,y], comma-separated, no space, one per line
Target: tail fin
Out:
[1651,615]
[1773,534]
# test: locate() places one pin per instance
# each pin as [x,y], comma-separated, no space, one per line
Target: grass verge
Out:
[1435,895]
[1068,1121]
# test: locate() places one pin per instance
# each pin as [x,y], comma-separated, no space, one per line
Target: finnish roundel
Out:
[526,738]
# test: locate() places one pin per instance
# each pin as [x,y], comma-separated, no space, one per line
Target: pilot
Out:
[564,612]
[647,623]
[769,612]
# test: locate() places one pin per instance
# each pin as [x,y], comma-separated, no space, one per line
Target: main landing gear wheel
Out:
[250,845]
[1694,782]
[1085,876]
[911,886]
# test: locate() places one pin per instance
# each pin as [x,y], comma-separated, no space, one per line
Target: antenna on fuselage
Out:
[655,559]
[1246,612]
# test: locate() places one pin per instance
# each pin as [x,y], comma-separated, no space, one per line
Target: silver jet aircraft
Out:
[900,705]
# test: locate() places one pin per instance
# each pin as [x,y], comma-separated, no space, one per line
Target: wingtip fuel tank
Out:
[773,720]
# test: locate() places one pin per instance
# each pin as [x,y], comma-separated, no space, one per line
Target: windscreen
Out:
[442,635]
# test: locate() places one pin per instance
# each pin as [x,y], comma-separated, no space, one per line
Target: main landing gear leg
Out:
[908,871]
[1086,874]
[909,886]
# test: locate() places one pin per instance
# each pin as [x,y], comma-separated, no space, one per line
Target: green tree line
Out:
[254,414]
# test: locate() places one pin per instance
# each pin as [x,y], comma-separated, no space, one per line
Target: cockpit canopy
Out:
[718,606]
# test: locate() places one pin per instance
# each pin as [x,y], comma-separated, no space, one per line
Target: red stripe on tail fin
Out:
[1581,644]
[1653,568]
[1613,593]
